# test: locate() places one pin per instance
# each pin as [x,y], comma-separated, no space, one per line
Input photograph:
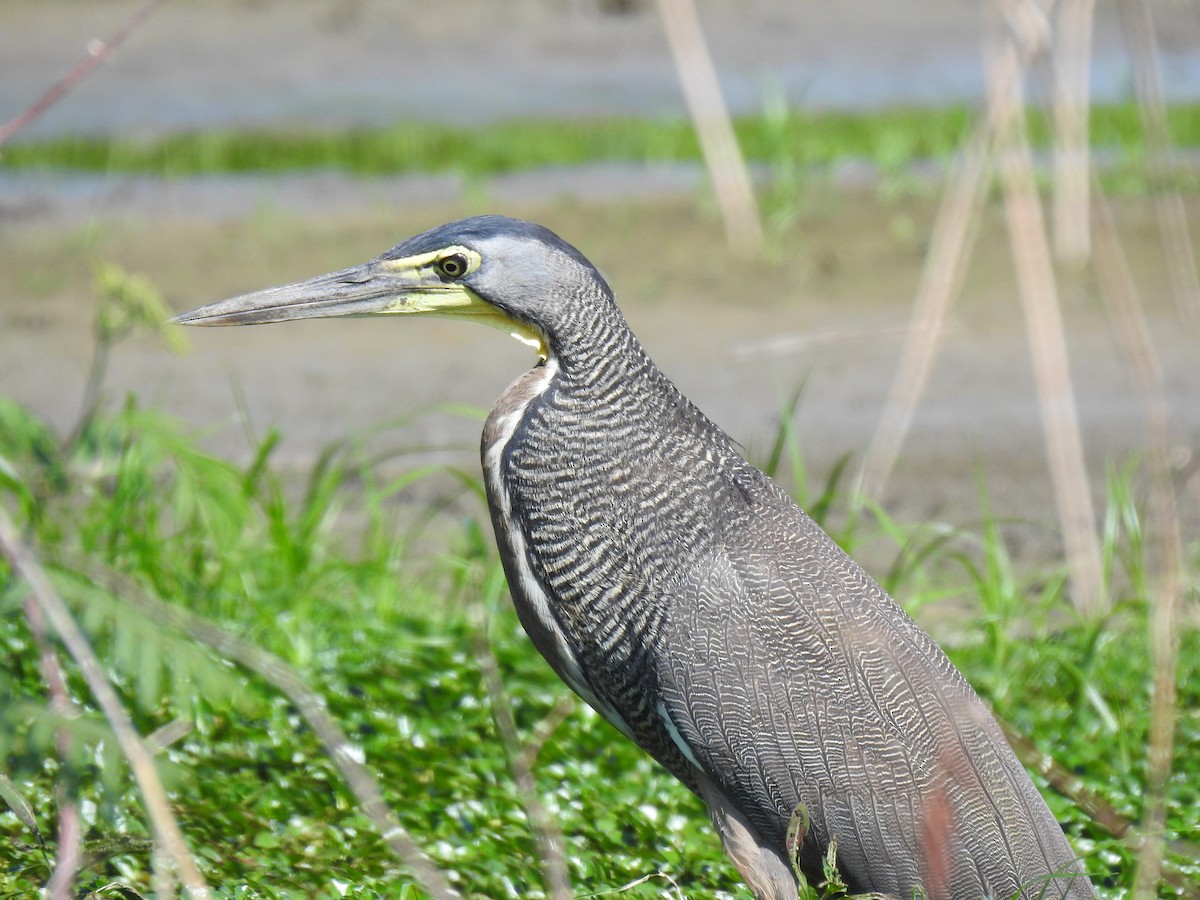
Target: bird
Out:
[684,595]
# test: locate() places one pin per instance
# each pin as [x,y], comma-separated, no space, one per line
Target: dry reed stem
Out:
[358,777]
[560,713]
[69,856]
[1065,782]
[154,797]
[1097,808]
[1137,19]
[1046,336]
[710,117]
[1072,52]
[69,852]
[1125,312]
[1026,33]
[954,233]
[952,241]
[1164,532]
[548,837]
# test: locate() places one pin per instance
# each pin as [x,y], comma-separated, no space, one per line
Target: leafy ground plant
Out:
[787,141]
[273,643]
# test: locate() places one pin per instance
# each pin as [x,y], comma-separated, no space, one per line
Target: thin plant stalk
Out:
[90,405]
[1164,644]
[69,855]
[951,245]
[714,127]
[954,233]
[360,779]
[98,52]
[548,837]
[1026,34]
[154,796]
[1072,52]
[1047,343]
[1138,23]
[559,714]
[68,847]
[1164,530]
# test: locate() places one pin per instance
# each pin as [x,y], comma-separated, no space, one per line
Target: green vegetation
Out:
[152,543]
[890,139]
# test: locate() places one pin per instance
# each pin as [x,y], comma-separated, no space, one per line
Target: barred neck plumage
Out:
[604,483]
[605,377]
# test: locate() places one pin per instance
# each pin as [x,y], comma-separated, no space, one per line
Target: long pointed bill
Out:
[382,287]
[373,289]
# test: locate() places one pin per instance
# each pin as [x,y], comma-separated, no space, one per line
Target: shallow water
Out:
[333,63]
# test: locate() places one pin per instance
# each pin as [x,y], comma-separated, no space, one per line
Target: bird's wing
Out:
[792,679]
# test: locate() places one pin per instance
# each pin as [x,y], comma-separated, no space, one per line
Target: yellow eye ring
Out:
[452,266]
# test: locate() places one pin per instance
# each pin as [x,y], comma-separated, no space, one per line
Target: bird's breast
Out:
[535,607]
[600,504]
[508,413]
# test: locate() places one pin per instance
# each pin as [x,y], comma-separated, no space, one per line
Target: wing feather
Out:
[793,678]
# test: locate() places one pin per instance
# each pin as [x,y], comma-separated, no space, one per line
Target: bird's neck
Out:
[607,371]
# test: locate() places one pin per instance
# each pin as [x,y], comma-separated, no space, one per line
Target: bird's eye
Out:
[452,266]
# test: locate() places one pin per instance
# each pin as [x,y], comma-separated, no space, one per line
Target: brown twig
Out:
[98,52]
[68,852]
[1106,816]
[1067,783]
[166,827]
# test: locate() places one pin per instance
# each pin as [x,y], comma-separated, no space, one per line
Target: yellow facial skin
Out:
[426,283]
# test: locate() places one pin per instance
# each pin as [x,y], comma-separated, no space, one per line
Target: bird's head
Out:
[510,274]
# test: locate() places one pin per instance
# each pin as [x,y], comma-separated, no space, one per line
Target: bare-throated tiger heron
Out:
[685,596]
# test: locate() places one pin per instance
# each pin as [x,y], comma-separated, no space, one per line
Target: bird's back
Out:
[790,667]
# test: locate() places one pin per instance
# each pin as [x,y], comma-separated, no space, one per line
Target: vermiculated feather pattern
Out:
[684,596]
[689,586]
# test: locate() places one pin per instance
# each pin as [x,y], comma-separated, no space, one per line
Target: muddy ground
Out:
[827,309]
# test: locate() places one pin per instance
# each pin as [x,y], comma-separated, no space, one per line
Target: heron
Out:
[684,595]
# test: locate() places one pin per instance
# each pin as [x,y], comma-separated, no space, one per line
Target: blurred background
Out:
[935,259]
[230,145]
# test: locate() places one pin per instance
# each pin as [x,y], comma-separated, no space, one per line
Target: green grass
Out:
[891,138]
[134,521]
[261,804]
